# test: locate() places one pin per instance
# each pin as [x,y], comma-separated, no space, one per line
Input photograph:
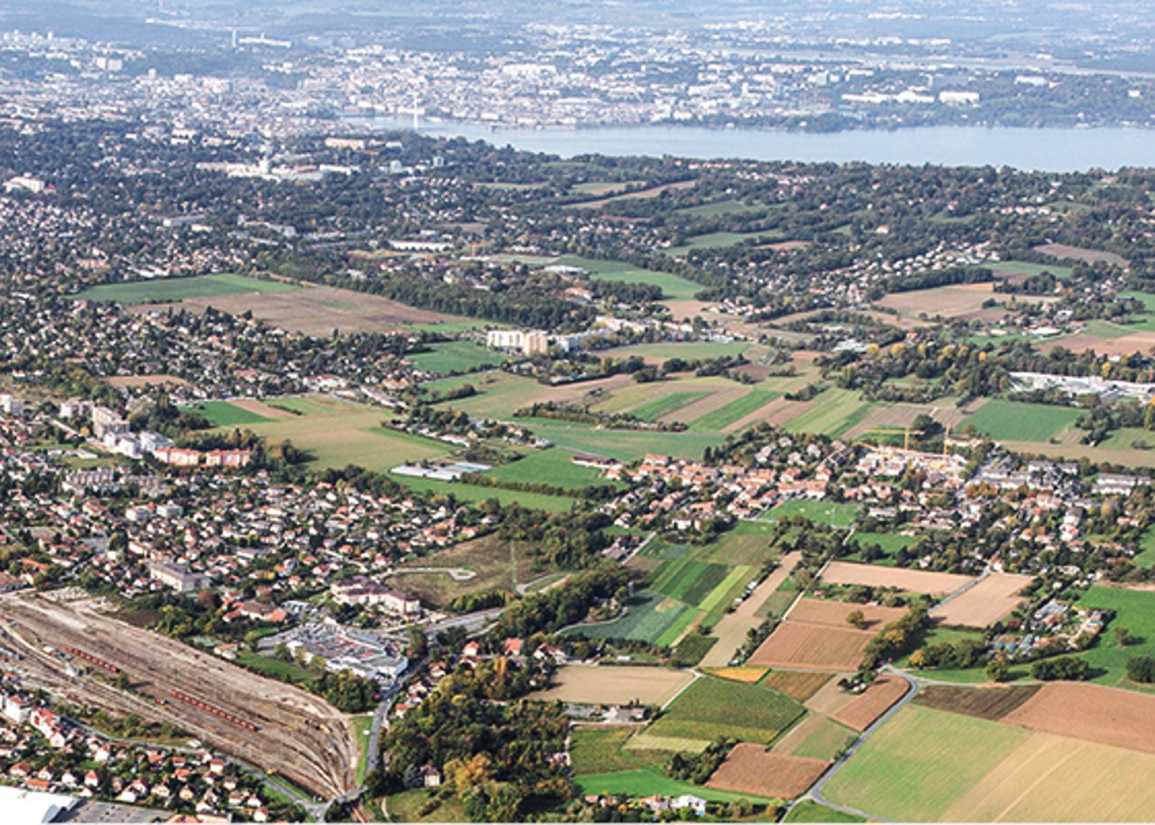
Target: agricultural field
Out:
[1014,421]
[920,763]
[450,357]
[659,407]
[1105,715]
[752,769]
[797,684]
[600,750]
[1062,252]
[723,417]
[815,737]
[648,617]
[727,207]
[746,675]
[732,629]
[912,581]
[821,512]
[648,782]
[959,301]
[816,636]
[671,285]
[224,414]
[810,811]
[614,685]
[317,310]
[831,413]
[711,708]
[179,289]
[991,600]
[860,711]
[990,703]
[1134,610]
[345,433]
[747,542]
[794,644]
[408,805]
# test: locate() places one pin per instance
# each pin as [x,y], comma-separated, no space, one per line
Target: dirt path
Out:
[731,630]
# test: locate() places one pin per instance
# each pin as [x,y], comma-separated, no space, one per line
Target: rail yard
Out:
[75,651]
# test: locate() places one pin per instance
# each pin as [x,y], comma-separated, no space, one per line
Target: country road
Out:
[815,792]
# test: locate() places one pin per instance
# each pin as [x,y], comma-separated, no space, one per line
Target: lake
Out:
[1046,150]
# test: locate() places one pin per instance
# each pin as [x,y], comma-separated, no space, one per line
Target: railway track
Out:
[292,732]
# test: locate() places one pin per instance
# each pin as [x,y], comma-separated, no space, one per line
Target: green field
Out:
[653,410]
[686,350]
[671,285]
[361,725]
[825,740]
[1145,558]
[720,208]
[338,433]
[600,751]
[734,411]
[810,811]
[1134,610]
[921,762]
[719,240]
[711,708]
[451,357]
[224,414]
[649,616]
[553,466]
[1013,421]
[747,542]
[625,445]
[298,405]
[639,783]
[177,289]
[834,412]
[473,493]
[1126,437]
[1025,268]
[405,807]
[824,512]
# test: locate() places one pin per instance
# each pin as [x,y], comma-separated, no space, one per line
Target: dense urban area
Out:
[352,474]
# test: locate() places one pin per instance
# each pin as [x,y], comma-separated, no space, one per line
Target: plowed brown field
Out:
[914,581]
[754,770]
[1098,714]
[861,711]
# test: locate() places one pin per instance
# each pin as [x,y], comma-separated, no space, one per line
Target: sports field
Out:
[224,414]
[177,289]
[1015,421]
[711,708]
[821,512]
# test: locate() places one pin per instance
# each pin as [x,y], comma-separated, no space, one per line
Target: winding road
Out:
[815,792]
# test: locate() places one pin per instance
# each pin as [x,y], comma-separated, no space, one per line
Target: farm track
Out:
[298,734]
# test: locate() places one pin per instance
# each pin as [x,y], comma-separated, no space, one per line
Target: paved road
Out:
[815,792]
